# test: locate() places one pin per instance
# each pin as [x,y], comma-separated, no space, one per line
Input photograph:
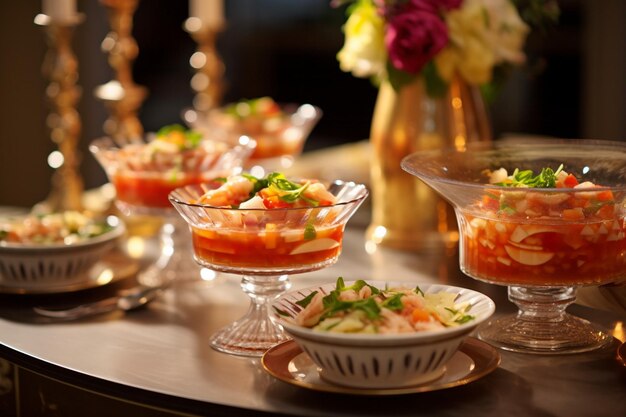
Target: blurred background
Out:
[574,85]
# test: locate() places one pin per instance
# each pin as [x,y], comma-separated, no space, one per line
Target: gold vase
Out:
[407,214]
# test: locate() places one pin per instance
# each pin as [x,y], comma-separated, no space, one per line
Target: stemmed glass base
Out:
[175,262]
[542,326]
[254,333]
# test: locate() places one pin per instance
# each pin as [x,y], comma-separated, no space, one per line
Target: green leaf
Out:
[398,78]
[340,284]
[309,232]
[288,191]
[435,85]
[306,300]
[394,302]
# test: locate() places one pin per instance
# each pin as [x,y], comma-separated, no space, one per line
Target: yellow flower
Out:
[363,53]
[483,33]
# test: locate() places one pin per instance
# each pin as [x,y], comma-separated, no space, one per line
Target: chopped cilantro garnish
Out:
[277,183]
[394,302]
[545,179]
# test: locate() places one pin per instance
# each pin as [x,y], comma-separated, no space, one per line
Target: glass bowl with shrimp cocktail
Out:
[145,172]
[543,217]
[280,130]
[265,229]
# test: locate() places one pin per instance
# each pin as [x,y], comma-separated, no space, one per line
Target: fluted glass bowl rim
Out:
[362,195]
[409,162]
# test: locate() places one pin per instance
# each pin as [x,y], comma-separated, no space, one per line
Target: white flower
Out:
[363,52]
[483,33]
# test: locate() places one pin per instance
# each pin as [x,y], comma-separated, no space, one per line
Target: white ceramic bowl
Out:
[30,265]
[381,360]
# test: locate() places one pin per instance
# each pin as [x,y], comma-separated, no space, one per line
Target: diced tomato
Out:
[570,181]
[605,195]
[275,202]
[573,214]
[420,315]
[607,211]
[490,203]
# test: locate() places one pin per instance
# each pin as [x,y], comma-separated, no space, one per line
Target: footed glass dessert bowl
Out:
[279,232]
[144,174]
[279,130]
[543,217]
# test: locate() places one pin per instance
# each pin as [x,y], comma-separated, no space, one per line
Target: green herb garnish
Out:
[306,300]
[528,179]
[309,232]
[191,138]
[394,302]
[277,183]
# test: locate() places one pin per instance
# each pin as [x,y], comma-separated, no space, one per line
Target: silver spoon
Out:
[127,300]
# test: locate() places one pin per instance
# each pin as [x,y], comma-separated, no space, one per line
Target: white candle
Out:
[59,10]
[210,12]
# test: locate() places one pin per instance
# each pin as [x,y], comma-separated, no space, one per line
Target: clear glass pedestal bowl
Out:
[142,187]
[542,243]
[265,246]
[280,135]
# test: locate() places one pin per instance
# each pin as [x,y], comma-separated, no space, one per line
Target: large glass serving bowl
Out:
[265,246]
[279,135]
[543,243]
[143,183]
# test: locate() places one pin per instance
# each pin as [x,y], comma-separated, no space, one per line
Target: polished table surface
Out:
[160,356]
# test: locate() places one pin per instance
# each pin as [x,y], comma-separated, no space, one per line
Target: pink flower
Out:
[414,36]
[448,4]
[434,5]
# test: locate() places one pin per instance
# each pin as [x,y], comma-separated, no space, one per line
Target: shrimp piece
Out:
[411,302]
[318,192]
[234,191]
[311,314]
[348,295]
[365,292]
[394,323]
[499,175]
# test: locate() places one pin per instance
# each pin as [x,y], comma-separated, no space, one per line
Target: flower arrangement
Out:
[438,39]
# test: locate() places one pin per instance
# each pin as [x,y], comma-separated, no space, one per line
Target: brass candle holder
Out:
[121,96]
[60,67]
[208,81]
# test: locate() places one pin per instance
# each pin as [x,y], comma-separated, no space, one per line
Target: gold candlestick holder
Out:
[60,67]
[121,96]
[208,81]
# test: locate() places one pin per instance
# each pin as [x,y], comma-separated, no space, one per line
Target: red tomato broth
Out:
[151,190]
[273,249]
[544,252]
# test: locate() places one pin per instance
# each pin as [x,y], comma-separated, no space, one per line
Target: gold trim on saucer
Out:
[474,359]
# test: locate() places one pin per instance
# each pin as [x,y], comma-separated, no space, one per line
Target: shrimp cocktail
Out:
[543,218]
[572,236]
[280,130]
[144,173]
[265,229]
